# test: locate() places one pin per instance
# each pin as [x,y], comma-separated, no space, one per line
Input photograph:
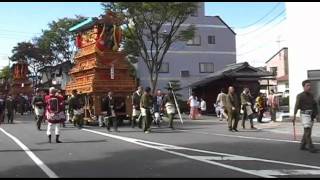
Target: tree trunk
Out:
[153,82]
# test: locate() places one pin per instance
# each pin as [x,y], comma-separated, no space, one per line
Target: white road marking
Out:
[162,147]
[33,157]
[284,172]
[224,158]
[243,137]
[207,159]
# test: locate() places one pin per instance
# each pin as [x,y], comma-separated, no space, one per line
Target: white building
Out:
[304,38]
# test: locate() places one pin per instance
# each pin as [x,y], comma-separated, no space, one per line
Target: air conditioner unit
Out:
[184,73]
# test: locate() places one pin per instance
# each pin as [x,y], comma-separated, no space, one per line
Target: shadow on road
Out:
[73,142]
[93,141]
[20,150]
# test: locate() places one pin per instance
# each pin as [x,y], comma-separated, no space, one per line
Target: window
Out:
[206,67]
[196,41]
[313,74]
[287,85]
[184,73]
[273,70]
[164,68]
[211,40]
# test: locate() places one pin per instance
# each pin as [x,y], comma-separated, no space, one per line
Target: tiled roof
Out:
[232,70]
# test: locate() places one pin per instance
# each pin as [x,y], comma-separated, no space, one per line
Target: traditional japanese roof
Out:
[65,66]
[236,70]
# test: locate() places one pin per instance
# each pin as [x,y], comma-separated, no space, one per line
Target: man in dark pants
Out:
[145,106]
[233,109]
[2,107]
[10,105]
[246,104]
[38,104]
[136,97]
[308,112]
[111,115]
[76,109]
[260,107]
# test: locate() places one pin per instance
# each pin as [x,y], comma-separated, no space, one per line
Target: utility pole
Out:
[279,43]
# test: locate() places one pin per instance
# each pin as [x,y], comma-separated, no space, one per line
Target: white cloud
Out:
[257,47]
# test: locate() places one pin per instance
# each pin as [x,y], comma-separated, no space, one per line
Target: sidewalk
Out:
[282,127]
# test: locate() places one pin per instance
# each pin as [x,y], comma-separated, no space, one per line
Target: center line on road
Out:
[33,157]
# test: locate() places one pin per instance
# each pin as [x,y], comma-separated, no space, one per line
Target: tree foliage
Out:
[5,72]
[54,46]
[175,85]
[30,54]
[150,28]
[57,42]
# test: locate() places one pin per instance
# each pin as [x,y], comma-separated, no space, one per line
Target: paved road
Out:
[200,148]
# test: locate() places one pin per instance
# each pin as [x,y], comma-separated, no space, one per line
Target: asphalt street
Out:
[198,148]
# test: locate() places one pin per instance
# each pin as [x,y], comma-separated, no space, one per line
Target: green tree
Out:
[29,53]
[5,72]
[5,75]
[158,22]
[176,87]
[56,43]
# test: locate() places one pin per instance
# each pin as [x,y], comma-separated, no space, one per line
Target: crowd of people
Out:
[228,106]
[246,106]
[18,104]
[56,108]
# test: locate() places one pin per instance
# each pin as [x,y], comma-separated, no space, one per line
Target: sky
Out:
[256,39]
[258,25]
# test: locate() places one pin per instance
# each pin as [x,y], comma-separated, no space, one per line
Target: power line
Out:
[10,38]
[255,37]
[252,50]
[255,49]
[20,32]
[275,7]
[259,47]
[282,12]
[15,35]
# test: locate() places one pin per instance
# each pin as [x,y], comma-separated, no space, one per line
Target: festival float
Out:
[100,66]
